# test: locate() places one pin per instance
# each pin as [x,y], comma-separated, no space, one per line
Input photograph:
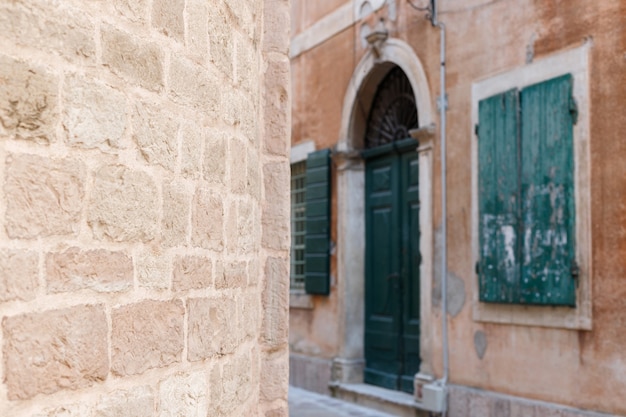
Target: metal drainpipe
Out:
[442,103]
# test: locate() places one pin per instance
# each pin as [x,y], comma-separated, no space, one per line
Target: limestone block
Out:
[247,62]
[521,409]
[207,220]
[277,412]
[44,196]
[275,371]
[28,102]
[99,270]
[140,62]
[71,410]
[212,327]
[18,275]
[239,110]
[192,85]
[245,12]
[136,402]
[231,228]
[176,210]
[192,272]
[254,174]
[458,403]
[248,230]
[250,119]
[198,27]
[94,114]
[134,10]
[232,275]
[60,29]
[277,114]
[123,205]
[221,40]
[55,350]
[191,162]
[276,34]
[146,335]
[478,405]
[237,165]
[276,214]
[250,315]
[254,272]
[167,16]
[235,387]
[235,106]
[214,166]
[276,302]
[156,134]
[184,395]
[153,270]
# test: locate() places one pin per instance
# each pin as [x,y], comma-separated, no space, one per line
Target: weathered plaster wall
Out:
[145,200]
[306,13]
[582,369]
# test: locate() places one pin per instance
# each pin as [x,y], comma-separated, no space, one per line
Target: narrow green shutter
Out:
[547,182]
[498,185]
[317,242]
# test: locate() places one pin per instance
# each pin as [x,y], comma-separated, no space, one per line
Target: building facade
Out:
[534,189]
[144,205]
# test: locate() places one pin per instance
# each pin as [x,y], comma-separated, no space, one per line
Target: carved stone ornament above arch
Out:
[364,83]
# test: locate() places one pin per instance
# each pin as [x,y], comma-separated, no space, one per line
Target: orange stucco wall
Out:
[582,369]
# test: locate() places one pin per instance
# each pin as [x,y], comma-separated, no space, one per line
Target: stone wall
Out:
[144,178]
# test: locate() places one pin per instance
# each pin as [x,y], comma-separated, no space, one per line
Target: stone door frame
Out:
[349,364]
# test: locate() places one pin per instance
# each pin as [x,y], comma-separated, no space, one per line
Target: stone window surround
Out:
[576,62]
[297,297]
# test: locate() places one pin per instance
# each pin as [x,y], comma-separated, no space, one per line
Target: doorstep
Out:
[388,401]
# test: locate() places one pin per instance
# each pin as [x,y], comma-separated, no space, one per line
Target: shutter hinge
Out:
[573,109]
[476,129]
[575,272]
[442,102]
[477,268]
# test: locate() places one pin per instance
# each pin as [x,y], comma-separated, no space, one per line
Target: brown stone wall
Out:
[578,368]
[144,204]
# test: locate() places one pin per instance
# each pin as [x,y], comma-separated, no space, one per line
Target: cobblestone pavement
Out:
[308,404]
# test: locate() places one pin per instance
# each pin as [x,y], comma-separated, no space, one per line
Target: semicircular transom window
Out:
[393,113]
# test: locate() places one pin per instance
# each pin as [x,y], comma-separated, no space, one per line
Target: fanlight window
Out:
[393,113]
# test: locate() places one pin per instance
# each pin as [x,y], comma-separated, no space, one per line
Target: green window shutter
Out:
[547,187]
[498,188]
[317,242]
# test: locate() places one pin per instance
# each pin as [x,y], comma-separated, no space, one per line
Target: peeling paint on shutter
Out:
[317,241]
[498,183]
[547,181]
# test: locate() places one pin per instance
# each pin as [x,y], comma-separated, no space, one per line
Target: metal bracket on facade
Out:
[442,102]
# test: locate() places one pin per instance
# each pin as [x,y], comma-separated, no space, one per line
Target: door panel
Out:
[381,334]
[392,271]
[410,258]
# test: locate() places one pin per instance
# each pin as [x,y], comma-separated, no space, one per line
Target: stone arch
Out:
[362,88]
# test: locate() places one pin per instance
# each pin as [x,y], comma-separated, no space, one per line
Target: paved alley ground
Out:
[308,404]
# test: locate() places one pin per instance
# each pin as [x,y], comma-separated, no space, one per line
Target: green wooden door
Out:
[392,270]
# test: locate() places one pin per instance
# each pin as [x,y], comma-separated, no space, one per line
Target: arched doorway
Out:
[349,159]
[392,234]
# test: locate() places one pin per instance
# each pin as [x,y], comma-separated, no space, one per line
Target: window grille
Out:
[298,224]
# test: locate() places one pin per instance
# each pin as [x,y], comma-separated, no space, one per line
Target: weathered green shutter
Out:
[547,182]
[317,242]
[498,185]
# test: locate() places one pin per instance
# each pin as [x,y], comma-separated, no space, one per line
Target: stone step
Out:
[395,403]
